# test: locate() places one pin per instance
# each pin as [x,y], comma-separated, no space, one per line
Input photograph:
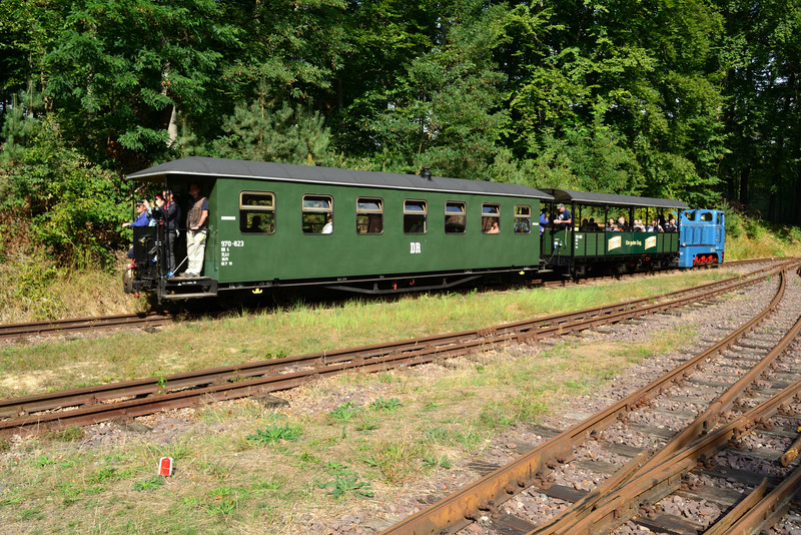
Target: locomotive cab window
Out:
[369,215]
[455,219]
[415,215]
[706,216]
[522,219]
[318,214]
[490,218]
[257,212]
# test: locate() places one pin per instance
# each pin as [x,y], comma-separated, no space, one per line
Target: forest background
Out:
[690,99]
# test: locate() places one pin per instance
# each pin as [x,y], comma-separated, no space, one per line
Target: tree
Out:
[70,207]
[119,71]
[644,67]
[444,112]
[762,58]
[263,132]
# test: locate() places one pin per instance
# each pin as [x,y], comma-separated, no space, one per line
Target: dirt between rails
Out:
[392,503]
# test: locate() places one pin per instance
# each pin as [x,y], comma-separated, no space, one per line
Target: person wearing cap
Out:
[142,215]
[564,218]
[142,220]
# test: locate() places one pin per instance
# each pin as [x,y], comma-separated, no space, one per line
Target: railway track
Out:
[34,414]
[709,447]
[22,331]
[19,331]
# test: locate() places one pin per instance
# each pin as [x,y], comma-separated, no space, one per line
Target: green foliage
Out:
[345,412]
[349,485]
[734,221]
[275,433]
[69,434]
[118,71]
[443,111]
[432,461]
[74,208]
[149,484]
[263,132]
[382,404]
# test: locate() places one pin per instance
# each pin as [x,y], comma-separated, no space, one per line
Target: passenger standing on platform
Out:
[197,220]
[169,214]
[565,219]
[142,215]
[142,220]
[543,220]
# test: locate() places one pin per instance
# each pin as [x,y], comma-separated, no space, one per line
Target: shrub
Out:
[74,207]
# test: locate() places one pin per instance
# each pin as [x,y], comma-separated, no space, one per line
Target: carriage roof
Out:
[270,171]
[609,199]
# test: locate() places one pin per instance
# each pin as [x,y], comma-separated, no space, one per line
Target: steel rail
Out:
[769,510]
[24,330]
[738,511]
[654,484]
[368,359]
[565,523]
[456,343]
[455,511]
[17,331]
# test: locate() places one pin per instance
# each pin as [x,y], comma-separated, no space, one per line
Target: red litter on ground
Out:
[165,466]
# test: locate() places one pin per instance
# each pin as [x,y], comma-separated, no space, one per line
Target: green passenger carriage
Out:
[588,242]
[274,225]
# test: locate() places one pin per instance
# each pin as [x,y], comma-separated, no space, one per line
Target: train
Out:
[274,226]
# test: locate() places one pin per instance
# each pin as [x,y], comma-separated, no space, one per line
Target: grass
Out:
[33,289]
[59,364]
[417,422]
[757,239]
[226,481]
[275,433]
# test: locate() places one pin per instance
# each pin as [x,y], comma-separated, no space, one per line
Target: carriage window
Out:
[369,215]
[455,218]
[414,217]
[257,212]
[522,219]
[318,214]
[490,218]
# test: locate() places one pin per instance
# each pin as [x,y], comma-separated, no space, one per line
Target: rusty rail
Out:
[18,331]
[191,388]
[654,484]
[26,330]
[563,523]
[456,511]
